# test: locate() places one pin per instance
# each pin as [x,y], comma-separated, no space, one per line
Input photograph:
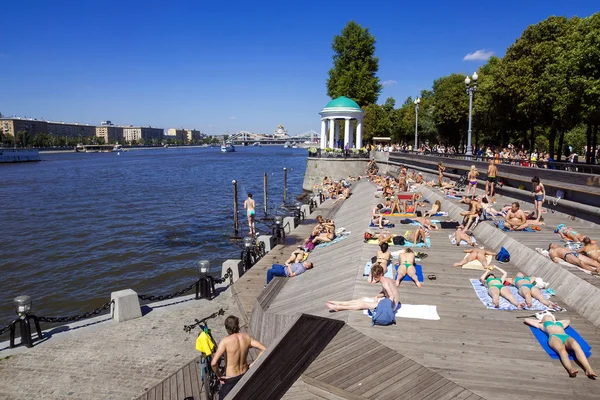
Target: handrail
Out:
[345,153]
[553,165]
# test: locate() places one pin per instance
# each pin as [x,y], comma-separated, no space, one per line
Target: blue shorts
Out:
[539,197]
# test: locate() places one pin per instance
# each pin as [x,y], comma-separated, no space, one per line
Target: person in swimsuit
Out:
[235,347]
[590,248]
[472,181]
[556,253]
[562,343]
[418,236]
[441,170]
[437,206]
[496,287]
[389,289]
[406,266]
[528,290]
[461,234]
[569,234]
[491,178]
[327,235]
[515,219]
[382,258]
[475,254]
[377,217]
[250,206]
[539,195]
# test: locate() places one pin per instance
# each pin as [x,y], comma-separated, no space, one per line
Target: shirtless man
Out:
[556,252]
[235,347]
[492,174]
[476,254]
[389,289]
[515,219]
[377,217]
[407,266]
[250,205]
[461,234]
[590,248]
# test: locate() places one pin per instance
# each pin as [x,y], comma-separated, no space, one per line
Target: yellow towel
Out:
[476,264]
[204,344]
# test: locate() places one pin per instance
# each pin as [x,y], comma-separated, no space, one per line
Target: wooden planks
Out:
[183,383]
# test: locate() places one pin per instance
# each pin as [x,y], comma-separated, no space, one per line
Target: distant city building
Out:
[10,126]
[280,132]
[132,133]
[110,132]
[184,135]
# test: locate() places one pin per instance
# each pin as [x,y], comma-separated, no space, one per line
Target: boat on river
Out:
[257,144]
[227,147]
[19,155]
[287,145]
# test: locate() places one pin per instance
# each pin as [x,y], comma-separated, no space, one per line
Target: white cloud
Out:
[388,83]
[232,118]
[479,55]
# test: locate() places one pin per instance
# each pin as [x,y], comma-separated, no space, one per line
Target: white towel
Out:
[415,311]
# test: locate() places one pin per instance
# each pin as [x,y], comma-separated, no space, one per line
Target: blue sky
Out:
[230,66]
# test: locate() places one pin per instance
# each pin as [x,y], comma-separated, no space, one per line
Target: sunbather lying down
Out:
[388,289]
[297,256]
[461,234]
[556,252]
[475,254]
[567,233]
[528,290]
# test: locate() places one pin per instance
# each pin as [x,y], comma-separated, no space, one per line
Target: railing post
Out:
[235,209]
[284,185]
[265,192]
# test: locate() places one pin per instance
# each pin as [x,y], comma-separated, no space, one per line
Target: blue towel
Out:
[500,224]
[450,196]
[388,225]
[338,238]
[419,270]
[388,274]
[542,339]
[482,294]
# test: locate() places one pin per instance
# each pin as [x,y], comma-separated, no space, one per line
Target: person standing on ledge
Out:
[250,205]
[235,347]
[491,178]
[441,169]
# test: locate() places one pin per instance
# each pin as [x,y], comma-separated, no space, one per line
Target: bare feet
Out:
[522,305]
[457,264]
[332,307]
[419,284]
[573,373]
[591,374]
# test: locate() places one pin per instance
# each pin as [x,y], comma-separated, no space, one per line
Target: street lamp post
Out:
[417,102]
[471,88]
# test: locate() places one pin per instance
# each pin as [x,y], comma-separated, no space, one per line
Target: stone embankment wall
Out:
[318,168]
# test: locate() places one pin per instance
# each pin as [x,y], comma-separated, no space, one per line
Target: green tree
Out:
[451,108]
[355,66]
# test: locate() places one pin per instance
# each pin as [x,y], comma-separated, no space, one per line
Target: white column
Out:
[323,133]
[350,133]
[331,132]
[337,132]
[347,137]
[359,133]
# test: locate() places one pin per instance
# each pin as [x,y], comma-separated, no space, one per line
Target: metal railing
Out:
[338,153]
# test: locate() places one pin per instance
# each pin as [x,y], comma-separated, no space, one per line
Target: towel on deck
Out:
[419,271]
[573,245]
[542,339]
[451,196]
[448,224]
[462,242]
[388,225]
[338,238]
[482,294]
[415,311]
[440,214]
[500,225]
[389,273]
[544,252]
[406,243]
[400,215]
[476,264]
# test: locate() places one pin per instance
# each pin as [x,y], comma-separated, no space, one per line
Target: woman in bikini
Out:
[327,235]
[472,181]
[418,236]
[435,208]
[441,169]
[377,217]
[496,287]
[382,258]
[250,206]
[590,248]
[562,343]
[539,195]
[528,290]
[406,266]
[569,234]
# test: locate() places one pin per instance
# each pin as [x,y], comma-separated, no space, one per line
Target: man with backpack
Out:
[389,291]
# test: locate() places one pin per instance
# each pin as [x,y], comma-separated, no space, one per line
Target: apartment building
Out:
[184,135]
[110,133]
[137,133]
[33,126]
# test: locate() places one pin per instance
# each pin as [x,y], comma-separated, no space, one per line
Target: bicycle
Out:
[210,381]
[251,255]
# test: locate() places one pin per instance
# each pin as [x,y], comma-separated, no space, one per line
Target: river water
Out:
[76,227]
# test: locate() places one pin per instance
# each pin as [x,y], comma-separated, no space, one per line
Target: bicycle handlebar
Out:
[188,328]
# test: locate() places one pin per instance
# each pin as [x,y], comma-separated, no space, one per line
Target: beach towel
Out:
[440,214]
[462,242]
[338,238]
[418,268]
[482,294]
[448,224]
[389,273]
[388,225]
[451,196]
[573,245]
[500,225]
[400,215]
[476,264]
[542,339]
[415,311]
[406,243]
[544,252]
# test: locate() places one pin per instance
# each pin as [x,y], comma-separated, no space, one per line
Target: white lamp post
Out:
[417,102]
[471,88]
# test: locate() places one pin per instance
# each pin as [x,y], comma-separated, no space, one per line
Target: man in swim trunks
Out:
[515,219]
[590,249]
[556,252]
[389,289]
[492,174]
[250,205]
[476,254]
[235,347]
[407,266]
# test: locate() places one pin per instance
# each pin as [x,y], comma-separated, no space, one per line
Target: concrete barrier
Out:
[305,209]
[268,241]
[289,224]
[126,305]
[236,268]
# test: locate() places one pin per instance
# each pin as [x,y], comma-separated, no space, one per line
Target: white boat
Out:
[227,147]
[118,147]
[257,144]
[287,145]
[294,146]
[19,155]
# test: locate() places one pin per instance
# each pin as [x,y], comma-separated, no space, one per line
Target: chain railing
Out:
[73,318]
[167,296]
[5,329]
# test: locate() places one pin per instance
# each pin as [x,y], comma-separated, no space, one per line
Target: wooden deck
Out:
[184,383]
